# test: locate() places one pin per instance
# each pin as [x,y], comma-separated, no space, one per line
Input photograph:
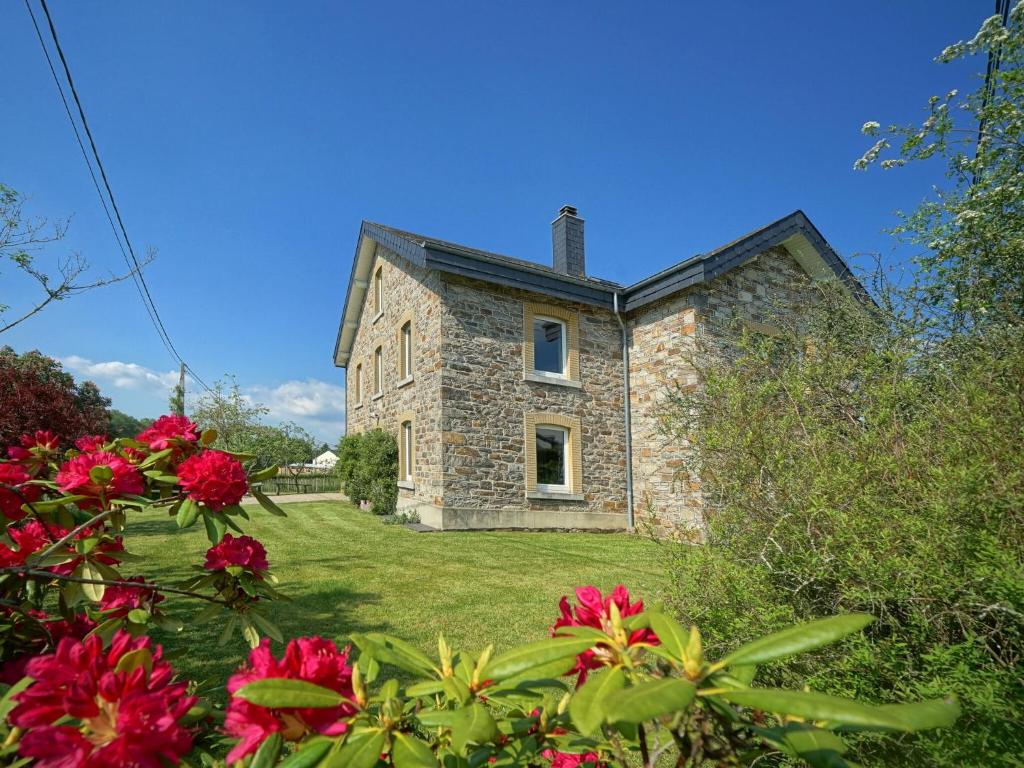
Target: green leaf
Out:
[814,706]
[457,690]
[264,474]
[101,474]
[266,503]
[268,752]
[392,650]
[919,716]
[138,616]
[269,627]
[140,657]
[208,437]
[803,637]
[51,504]
[587,707]
[188,513]
[282,692]
[409,752]
[215,526]
[652,699]
[361,750]
[153,458]
[428,688]
[309,755]
[671,633]
[533,655]
[93,592]
[472,725]
[819,748]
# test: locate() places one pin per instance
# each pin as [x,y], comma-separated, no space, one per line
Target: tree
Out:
[21,237]
[123,425]
[288,446]
[235,417]
[37,393]
[176,401]
[971,269]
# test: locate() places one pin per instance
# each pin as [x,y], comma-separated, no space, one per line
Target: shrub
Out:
[368,464]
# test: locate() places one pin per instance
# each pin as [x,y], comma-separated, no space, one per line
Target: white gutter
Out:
[630,522]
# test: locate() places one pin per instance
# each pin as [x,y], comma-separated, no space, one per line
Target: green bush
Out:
[368,465]
[856,464]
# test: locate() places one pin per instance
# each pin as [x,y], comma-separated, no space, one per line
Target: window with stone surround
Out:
[378,292]
[550,344]
[554,456]
[406,451]
[405,350]
[378,371]
[357,384]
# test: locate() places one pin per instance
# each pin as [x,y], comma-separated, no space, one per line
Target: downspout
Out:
[630,522]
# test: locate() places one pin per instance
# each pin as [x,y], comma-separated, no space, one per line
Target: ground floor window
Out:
[405,452]
[554,455]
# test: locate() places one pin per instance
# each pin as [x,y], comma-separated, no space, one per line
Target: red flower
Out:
[245,551]
[570,760]
[594,611]
[117,601]
[169,432]
[74,478]
[41,629]
[312,659]
[17,453]
[133,455]
[43,439]
[29,539]
[128,717]
[90,443]
[213,478]
[10,502]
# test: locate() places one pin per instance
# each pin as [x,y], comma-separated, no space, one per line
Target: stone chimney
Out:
[567,243]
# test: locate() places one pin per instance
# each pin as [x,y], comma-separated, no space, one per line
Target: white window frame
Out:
[406,429]
[565,487]
[564,344]
[405,353]
[378,292]
[378,370]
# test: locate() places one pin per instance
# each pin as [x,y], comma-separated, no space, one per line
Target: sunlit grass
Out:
[347,572]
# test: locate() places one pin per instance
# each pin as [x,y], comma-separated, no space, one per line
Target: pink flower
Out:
[10,502]
[74,478]
[41,629]
[117,601]
[90,443]
[593,610]
[133,455]
[570,760]
[312,659]
[33,537]
[128,717]
[213,478]
[169,432]
[43,439]
[17,453]
[244,551]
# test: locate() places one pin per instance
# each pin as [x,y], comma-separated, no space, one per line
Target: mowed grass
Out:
[347,572]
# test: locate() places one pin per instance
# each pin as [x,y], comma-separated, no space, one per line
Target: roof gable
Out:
[795,232]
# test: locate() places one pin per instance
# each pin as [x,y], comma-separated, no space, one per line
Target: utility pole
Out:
[181,389]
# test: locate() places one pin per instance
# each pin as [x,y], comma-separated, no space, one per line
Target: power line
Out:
[129,256]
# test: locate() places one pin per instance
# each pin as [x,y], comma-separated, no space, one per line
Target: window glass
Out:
[378,291]
[407,451]
[551,456]
[378,361]
[359,383]
[406,369]
[548,345]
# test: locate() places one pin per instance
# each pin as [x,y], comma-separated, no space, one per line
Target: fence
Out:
[285,483]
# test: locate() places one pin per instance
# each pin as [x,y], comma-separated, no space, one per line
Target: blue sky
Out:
[246,141]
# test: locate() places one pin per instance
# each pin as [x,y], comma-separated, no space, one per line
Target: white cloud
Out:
[319,406]
[121,375]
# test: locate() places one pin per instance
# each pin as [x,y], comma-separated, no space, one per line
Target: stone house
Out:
[528,396]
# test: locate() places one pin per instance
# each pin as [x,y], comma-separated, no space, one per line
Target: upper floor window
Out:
[378,370]
[378,291]
[405,350]
[405,451]
[357,384]
[550,351]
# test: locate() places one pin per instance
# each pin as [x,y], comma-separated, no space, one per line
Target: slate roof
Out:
[795,230]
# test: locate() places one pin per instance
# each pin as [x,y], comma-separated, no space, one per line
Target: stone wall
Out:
[409,292]
[485,395]
[664,340]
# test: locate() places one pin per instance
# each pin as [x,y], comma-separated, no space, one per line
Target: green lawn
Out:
[347,572]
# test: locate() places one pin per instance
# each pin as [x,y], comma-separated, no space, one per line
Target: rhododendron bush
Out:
[84,685]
